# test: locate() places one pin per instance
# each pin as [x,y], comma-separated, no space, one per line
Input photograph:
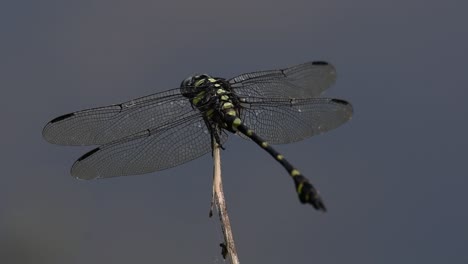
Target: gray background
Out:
[394,178]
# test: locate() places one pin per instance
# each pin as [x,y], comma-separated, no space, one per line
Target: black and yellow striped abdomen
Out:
[305,190]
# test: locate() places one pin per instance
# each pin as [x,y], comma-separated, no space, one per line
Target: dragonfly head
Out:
[193,84]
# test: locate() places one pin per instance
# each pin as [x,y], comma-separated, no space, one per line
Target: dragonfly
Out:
[169,128]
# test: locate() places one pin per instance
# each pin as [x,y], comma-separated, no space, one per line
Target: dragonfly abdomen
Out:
[305,190]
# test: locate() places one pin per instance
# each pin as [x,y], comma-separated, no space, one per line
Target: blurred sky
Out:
[394,178]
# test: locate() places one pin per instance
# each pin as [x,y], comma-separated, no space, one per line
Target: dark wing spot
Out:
[62,117]
[88,154]
[319,63]
[339,101]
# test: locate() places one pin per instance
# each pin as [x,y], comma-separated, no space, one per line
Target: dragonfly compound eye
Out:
[191,84]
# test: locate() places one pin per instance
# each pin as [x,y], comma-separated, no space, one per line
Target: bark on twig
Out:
[218,196]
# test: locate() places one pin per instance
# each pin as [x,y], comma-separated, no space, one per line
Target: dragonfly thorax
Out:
[212,96]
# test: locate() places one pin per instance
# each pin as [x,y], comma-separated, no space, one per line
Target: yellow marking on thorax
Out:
[231,112]
[199,82]
[209,113]
[227,105]
[198,97]
[221,91]
[211,80]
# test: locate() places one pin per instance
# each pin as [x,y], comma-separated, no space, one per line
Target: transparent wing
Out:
[151,150]
[280,121]
[106,124]
[301,81]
